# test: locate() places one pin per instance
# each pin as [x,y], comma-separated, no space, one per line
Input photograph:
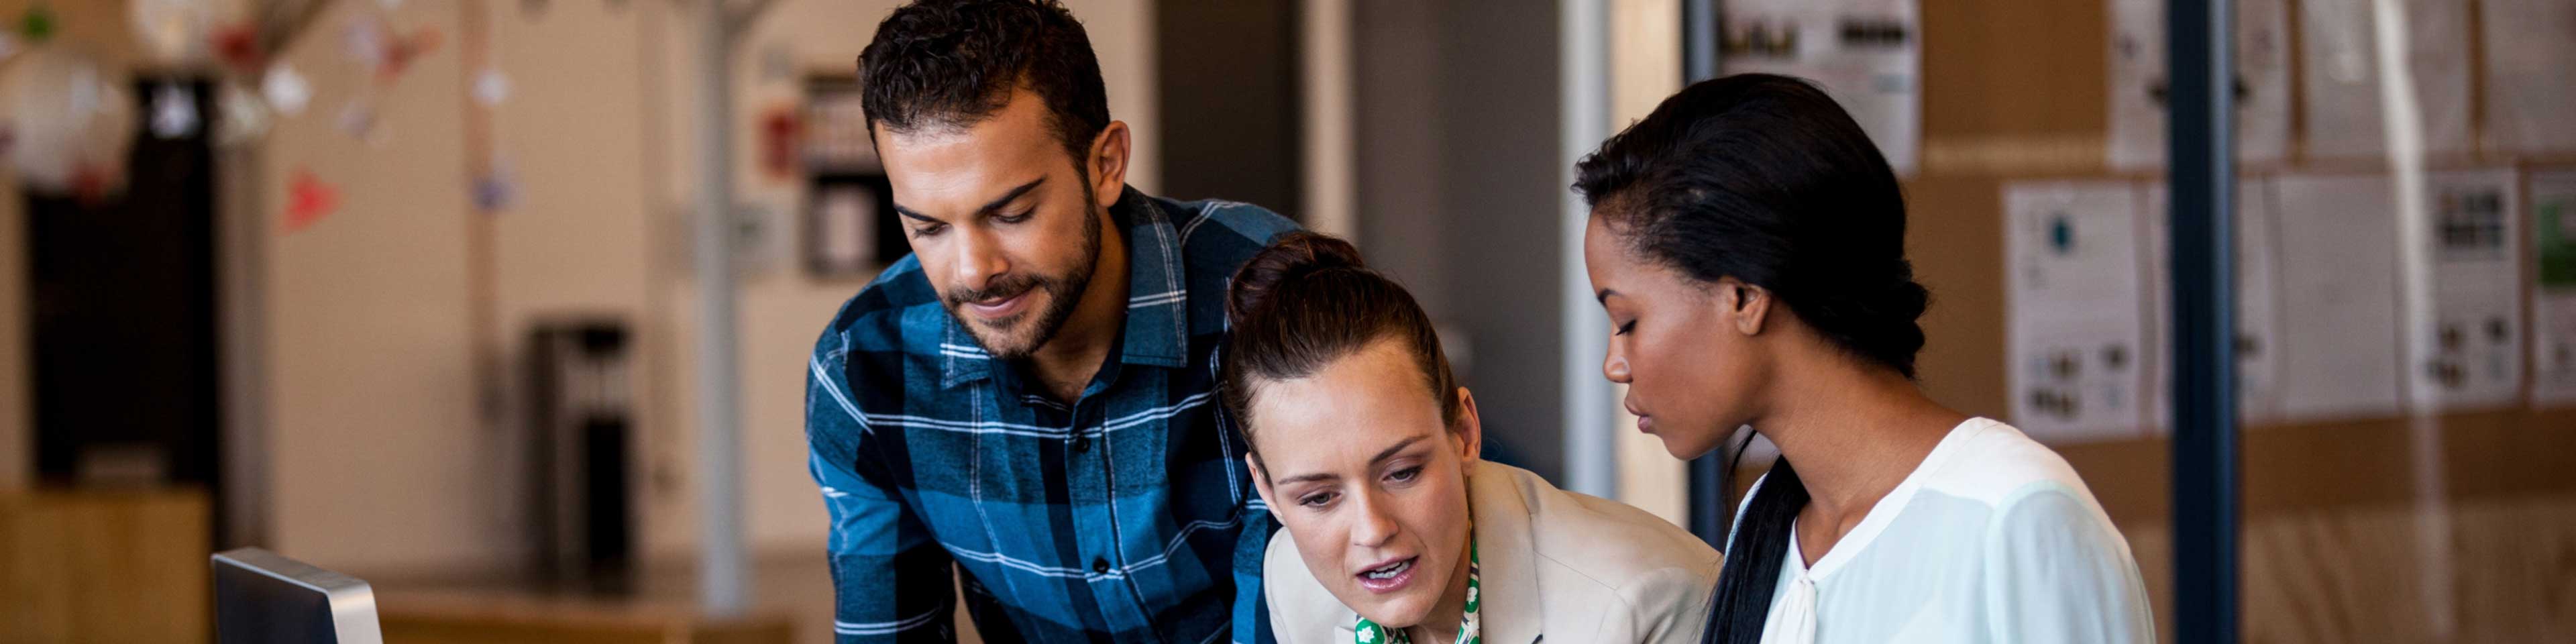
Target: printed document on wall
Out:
[2258,335]
[2553,299]
[2138,83]
[2474,343]
[1866,53]
[2337,298]
[2076,304]
[2530,46]
[2339,68]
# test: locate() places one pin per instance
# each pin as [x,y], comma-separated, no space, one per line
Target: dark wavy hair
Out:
[952,63]
[1307,300]
[1765,179]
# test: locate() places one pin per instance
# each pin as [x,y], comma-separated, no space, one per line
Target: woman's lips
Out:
[1005,308]
[1389,583]
[1645,423]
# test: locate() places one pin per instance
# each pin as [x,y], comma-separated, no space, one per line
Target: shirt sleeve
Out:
[891,581]
[1251,609]
[2056,571]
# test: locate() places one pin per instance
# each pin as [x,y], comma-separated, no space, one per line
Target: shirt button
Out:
[1081,443]
[1100,566]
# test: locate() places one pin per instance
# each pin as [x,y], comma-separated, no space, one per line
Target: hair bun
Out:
[1287,258]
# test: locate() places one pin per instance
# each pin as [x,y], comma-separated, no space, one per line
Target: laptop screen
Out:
[266,598]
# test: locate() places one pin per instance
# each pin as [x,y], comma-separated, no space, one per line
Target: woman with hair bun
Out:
[1365,448]
[1748,244]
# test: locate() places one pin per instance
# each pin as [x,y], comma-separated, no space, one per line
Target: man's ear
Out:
[1746,305]
[1470,430]
[1261,482]
[1107,164]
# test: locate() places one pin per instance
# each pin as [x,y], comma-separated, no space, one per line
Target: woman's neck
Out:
[1855,433]
[1440,626]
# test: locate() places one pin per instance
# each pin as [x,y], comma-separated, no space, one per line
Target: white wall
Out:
[381,462]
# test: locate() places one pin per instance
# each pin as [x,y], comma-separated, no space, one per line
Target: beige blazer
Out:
[1567,566]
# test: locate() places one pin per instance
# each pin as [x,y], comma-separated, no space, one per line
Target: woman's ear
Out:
[1470,430]
[1746,305]
[1261,482]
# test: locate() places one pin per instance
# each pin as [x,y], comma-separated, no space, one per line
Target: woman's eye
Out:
[1316,500]
[1625,328]
[1405,475]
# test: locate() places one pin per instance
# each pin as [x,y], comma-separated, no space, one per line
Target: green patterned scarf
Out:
[1470,629]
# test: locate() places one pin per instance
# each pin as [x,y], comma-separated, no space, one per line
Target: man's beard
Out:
[1014,338]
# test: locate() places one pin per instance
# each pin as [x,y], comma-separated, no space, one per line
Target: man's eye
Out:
[1013,219]
[926,231]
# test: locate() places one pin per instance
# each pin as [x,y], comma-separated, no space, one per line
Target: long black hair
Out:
[1766,180]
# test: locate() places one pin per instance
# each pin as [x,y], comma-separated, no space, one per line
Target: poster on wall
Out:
[2258,332]
[2341,75]
[2337,297]
[2138,83]
[2529,46]
[2474,344]
[1866,53]
[2075,303]
[2553,297]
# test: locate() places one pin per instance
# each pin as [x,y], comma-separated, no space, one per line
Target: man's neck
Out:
[1066,363]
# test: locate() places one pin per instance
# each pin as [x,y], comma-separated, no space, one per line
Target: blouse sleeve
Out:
[2056,571]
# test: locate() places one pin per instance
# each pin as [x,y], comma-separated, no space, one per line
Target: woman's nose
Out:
[1615,367]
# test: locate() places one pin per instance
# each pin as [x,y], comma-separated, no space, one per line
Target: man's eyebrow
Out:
[988,208]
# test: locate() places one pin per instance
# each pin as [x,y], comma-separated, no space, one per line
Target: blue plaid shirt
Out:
[1127,516]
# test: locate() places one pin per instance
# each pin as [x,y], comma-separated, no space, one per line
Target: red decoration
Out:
[401,51]
[238,47]
[308,199]
[778,142]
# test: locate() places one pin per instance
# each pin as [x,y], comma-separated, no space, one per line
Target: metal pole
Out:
[1583,92]
[1709,514]
[723,580]
[2199,52]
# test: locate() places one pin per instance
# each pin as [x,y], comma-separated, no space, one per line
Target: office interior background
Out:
[427,291]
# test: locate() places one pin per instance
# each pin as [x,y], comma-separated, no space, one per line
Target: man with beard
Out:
[1025,403]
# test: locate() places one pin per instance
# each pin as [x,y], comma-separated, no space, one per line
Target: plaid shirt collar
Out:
[1157,300]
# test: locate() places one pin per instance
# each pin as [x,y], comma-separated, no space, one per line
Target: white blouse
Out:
[1991,539]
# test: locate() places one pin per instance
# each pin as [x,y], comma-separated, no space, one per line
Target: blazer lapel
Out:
[1505,556]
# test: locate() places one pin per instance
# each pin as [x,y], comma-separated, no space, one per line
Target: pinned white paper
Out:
[2341,73]
[2139,83]
[1866,53]
[2553,299]
[2337,298]
[2076,305]
[2475,342]
[2530,46]
[2258,331]
[491,87]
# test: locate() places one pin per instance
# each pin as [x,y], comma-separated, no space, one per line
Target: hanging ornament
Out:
[402,51]
[496,189]
[491,87]
[384,53]
[308,199]
[286,89]
[174,111]
[237,47]
[358,120]
[69,122]
[37,24]
[243,117]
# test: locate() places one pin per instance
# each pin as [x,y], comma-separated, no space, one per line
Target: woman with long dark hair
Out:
[1748,244]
